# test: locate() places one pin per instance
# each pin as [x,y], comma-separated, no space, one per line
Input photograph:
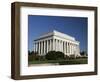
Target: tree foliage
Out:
[32,56]
[83,53]
[54,55]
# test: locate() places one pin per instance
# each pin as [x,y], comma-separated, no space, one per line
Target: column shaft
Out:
[67,47]
[70,48]
[39,49]
[44,47]
[50,45]
[36,47]
[64,47]
[57,45]
[47,46]
[53,44]
[60,45]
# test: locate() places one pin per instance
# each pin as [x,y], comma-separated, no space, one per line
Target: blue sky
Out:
[73,26]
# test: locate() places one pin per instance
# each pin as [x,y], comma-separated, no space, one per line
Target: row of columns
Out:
[43,47]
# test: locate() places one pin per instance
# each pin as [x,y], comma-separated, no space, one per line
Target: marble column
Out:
[53,42]
[72,48]
[65,47]
[76,49]
[36,47]
[39,48]
[69,48]
[44,47]
[61,46]
[56,44]
[47,46]
[50,44]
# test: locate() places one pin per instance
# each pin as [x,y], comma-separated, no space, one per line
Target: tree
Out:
[72,56]
[29,52]
[33,56]
[83,53]
[53,55]
[60,55]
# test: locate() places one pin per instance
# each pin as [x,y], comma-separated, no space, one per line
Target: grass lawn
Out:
[61,62]
[74,61]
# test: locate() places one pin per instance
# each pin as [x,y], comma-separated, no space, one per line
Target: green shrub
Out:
[72,56]
[60,55]
[32,56]
[54,55]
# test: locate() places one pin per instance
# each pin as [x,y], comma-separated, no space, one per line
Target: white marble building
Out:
[56,41]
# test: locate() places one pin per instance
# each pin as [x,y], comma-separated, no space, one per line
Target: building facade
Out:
[56,41]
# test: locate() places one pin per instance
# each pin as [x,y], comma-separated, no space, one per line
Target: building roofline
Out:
[54,32]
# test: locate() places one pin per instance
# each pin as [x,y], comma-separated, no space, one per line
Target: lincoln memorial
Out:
[56,41]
